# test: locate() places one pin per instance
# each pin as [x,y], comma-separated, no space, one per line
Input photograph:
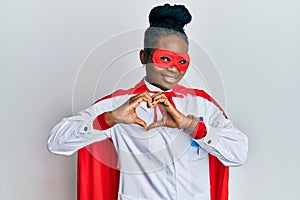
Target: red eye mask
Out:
[165,58]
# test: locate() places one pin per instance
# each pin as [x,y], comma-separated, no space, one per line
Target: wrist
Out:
[197,128]
[109,118]
[189,123]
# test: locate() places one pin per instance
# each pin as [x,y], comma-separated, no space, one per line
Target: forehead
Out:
[173,43]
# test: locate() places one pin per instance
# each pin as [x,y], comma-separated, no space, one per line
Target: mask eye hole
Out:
[165,59]
[183,62]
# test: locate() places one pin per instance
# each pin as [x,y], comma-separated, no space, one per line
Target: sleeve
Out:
[73,133]
[222,139]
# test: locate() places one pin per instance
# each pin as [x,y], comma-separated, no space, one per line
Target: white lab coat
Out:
[160,163]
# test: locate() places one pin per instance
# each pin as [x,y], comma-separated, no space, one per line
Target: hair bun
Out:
[171,17]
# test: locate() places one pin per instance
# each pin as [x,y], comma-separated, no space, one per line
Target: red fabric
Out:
[200,131]
[219,177]
[97,181]
[98,178]
[100,122]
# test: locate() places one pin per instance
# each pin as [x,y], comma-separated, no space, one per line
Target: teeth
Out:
[169,78]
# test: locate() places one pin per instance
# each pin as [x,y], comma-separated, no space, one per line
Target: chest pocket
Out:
[195,152]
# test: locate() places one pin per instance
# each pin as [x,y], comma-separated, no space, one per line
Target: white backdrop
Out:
[254,44]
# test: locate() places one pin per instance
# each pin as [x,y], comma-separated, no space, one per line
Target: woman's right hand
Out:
[126,113]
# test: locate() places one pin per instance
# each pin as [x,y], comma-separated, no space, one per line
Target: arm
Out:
[73,133]
[95,124]
[216,134]
[222,139]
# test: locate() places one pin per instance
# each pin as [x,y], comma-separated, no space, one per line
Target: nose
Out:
[173,69]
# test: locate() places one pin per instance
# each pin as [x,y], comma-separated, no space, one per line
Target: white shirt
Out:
[160,163]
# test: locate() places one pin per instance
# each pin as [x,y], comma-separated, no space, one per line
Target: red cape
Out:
[97,181]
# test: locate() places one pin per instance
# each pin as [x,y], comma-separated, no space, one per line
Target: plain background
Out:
[254,44]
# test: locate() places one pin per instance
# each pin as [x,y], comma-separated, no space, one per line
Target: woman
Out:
[171,142]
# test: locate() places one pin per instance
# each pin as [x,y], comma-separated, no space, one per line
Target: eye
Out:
[165,59]
[183,62]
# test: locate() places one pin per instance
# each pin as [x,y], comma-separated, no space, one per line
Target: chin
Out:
[167,86]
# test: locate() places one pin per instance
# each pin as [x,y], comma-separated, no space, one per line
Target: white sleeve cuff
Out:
[86,127]
[211,139]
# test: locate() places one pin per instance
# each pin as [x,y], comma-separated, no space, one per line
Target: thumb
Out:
[141,122]
[155,124]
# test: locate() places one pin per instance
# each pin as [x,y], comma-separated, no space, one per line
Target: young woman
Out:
[171,142]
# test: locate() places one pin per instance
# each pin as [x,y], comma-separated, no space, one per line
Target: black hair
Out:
[166,20]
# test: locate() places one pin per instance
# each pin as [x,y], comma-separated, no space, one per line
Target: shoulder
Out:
[198,93]
[193,92]
[116,94]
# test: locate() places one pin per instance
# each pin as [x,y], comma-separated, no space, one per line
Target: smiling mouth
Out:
[170,79]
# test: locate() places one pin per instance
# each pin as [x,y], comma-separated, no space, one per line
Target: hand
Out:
[126,113]
[171,117]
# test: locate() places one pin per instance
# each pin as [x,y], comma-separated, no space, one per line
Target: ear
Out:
[143,57]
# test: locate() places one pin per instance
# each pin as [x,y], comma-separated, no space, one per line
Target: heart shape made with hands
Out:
[153,114]
[163,103]
[171,117]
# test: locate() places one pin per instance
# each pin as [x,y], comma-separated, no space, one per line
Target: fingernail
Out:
[153,103]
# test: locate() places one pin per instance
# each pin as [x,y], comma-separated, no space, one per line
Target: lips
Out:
[170,79]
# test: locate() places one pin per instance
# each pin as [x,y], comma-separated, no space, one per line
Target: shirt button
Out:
[209,141]
[85,128]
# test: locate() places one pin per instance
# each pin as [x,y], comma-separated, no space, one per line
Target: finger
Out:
[164,101]
[145,93]
[161,96]
[146,99]
[143,97]
[149,97]
[156,98]
[170,109]
[157,94]
[140,122]
[155,124]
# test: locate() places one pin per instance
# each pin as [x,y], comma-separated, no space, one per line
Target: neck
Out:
[164,89]
[155,87]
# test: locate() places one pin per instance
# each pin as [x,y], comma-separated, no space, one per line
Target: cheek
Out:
[153,70]
[182,73]
[181,76]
